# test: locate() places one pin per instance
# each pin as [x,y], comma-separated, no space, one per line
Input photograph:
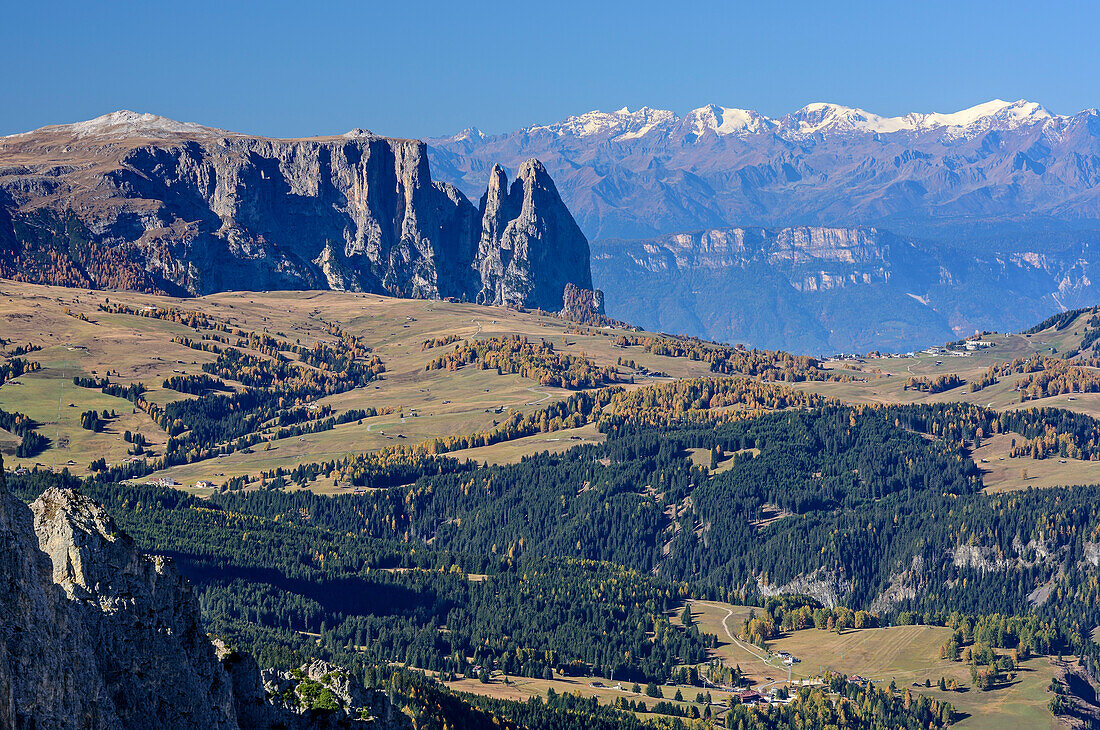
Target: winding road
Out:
[753,651]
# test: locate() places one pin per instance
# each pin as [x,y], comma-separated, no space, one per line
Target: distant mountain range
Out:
[142,202]
[938,224]
[638,174]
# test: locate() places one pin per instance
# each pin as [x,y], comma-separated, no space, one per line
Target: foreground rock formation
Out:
[95,635]
[143,202]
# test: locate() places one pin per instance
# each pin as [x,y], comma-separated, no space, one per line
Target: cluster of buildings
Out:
[752,697]
[787,658]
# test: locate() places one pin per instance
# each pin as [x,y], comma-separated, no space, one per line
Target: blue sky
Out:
[418,68]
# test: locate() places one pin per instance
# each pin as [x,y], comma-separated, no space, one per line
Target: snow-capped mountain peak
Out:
[125,123]
[613,124]
[823,117]
[815,118]
[723,120]
[470,133]
[989,115]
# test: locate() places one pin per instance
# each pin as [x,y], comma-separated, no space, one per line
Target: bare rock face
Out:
[48,677]
[831,589]
[142,202]
[530,246]
[97,636]
[316,696]
[147,640]
[322,695]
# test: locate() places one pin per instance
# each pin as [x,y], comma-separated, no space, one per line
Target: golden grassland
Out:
[523,688]
[904,654]
[140,349]
[428,403]
[1003,474]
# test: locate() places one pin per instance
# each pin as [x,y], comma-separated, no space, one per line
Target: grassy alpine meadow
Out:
[906,655]
[79,339]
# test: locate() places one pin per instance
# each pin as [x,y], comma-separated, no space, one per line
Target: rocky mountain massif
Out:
[824,290]
[96,635]
[999,206]
[139,201]
[648,172]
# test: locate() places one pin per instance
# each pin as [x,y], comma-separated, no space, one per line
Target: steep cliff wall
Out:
[42,683]
[189,209]
[97,636]
[515,258]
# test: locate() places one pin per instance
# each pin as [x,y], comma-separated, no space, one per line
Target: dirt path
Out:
[544,397]
[757,653]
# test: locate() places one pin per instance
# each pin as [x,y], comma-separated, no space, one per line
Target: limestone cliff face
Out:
[146,637]
[278,700]
[530,246]
[97,636]
[824,290]
[189,209]
[43,683]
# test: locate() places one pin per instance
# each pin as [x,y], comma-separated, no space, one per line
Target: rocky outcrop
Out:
[146,639]
[48,677]
[321,690]
[830,589]
[183,208]
[316,696]
[902,587]
[97,636]
[515,262]
[583,305]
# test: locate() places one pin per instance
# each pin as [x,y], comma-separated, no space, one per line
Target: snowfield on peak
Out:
[617,123]
[723,120]
[814,118]
[125,123]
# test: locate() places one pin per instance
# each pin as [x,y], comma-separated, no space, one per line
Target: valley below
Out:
[454,461]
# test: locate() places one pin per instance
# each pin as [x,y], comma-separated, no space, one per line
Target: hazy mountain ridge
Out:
[138,201]
[824,290]
[984,218]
